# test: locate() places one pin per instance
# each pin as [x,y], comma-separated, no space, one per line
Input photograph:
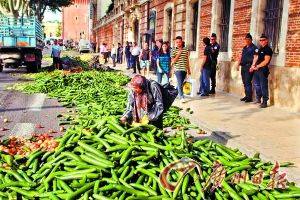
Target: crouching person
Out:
[145,102]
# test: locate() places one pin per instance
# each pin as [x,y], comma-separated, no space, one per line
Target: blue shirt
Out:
[154,52]
[248,55]
[165,62]
[56,51]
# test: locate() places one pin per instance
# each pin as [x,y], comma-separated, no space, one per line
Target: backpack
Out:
[169,94]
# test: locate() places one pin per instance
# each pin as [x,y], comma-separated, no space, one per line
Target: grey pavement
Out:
[273,132]
[25,111]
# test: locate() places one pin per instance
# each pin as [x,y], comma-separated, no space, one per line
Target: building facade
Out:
[77,20]
[52,29]
[142,20]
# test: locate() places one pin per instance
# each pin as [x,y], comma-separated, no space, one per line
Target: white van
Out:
[84,46]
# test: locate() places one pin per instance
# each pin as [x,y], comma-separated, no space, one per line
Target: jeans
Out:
[213,72]
[205,81]
[128,61]
[247,80]
[162,78]
[120,58]
[154,65]
[136,64]
[261,83]
[180,76]
[113,57]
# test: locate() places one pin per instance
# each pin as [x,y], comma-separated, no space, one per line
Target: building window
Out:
[194,26]
[169,25]
[152,23]
[272,23]
[224,26]
[76,18]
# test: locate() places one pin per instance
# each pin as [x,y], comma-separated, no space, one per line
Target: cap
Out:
[213,35]
[249,36]
[263,36]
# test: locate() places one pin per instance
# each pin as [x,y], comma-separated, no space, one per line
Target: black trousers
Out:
[213,74]
[247,80]
[136,64]
[261,83]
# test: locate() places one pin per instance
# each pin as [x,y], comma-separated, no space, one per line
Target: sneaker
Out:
[243,99]
[248,100]
[264,104]
[183,100]
[198,93]
[258,101]
[204,95]
[212,92]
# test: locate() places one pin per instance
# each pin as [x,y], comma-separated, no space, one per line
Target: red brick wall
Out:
[82,23]
[241,25]
[205,22]
[105,35]
[293,35]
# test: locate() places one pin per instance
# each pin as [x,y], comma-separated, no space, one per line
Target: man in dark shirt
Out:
[262,59]
[128,55]
[246,61]
[154,53]
[205,69]
[215,48]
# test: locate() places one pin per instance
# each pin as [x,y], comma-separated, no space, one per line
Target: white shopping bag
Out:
[189,87]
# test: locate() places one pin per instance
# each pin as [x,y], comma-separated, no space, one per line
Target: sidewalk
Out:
[273,132]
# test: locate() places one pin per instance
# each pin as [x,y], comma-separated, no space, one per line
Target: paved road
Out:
[25,111]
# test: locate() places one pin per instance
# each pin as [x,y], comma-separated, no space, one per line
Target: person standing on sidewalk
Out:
[215,48]
[113,55]
[135,57]
[55,54]
[246,61]
[163,64]
[127,54]
[145,57]
[120,54]
[205,69]
[154,53]
[180,65]
[262,59]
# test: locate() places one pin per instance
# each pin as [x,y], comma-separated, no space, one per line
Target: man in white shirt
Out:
[103,51]
[113,53]
[135,56]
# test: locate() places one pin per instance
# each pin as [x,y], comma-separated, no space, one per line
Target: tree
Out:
[40,6]
[110,7]
[58,32]
[14,8]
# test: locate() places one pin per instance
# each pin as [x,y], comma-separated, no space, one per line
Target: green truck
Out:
[21,43]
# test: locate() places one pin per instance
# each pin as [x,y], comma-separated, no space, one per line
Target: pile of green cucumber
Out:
[99,158]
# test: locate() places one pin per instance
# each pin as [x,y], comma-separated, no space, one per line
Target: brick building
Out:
[77,21]
[142,20]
